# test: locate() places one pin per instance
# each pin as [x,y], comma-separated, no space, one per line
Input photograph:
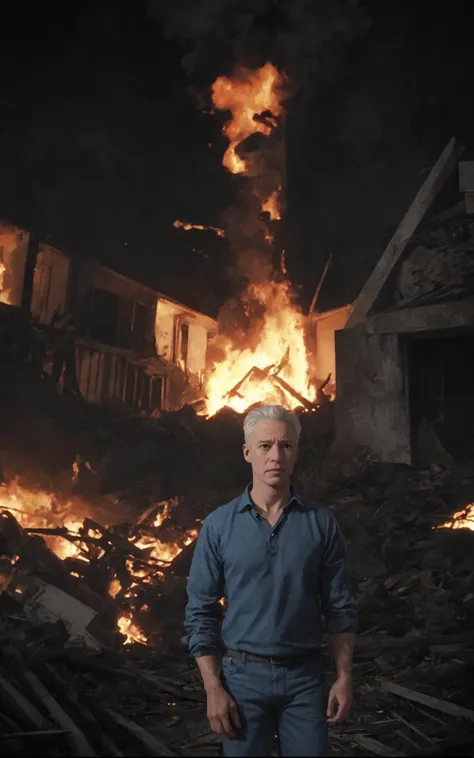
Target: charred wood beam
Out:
[424,318]
[288,388]
[30,265]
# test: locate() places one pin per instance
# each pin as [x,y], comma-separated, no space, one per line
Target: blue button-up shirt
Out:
[285,585]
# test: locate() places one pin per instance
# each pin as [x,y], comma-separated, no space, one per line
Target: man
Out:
[280,561]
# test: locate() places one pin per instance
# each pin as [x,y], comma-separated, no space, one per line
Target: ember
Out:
[461,520]
[199,227]
[131,631]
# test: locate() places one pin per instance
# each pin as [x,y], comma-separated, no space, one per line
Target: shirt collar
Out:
[245,501]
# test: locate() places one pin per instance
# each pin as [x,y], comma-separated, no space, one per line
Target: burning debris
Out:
[187,226]
[123,565]
[461,519]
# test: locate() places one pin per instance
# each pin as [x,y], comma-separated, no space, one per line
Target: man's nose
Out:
[276,452]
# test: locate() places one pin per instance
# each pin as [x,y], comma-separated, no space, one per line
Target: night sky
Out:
[104,142]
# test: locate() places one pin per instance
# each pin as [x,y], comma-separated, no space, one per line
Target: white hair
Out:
[270,413]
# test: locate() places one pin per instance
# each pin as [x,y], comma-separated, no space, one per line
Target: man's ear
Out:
[246,452]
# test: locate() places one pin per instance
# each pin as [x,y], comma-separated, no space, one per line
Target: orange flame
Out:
[273,367]
[281,345]
[187,227]
[41,509]
[272,206]
[461,520]
[130,630]
[5,295]
[247,94]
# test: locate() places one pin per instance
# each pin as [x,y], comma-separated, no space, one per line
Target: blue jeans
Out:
[290,700]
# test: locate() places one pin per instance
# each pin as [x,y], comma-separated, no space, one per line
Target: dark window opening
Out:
[440,384]
[140,326]
[183,353]
[103,316]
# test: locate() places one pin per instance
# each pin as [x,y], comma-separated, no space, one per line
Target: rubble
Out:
[415,653]
[94,560]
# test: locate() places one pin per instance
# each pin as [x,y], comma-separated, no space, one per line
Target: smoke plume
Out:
[306,38]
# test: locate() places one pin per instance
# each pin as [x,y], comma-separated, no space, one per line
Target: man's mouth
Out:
[275,471]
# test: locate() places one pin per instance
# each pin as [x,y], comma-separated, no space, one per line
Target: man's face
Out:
[272,450]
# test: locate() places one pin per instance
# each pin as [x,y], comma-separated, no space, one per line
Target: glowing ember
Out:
[130,630]
[461,520]
[247,94]
[187,227]
[114,587]
[272,206]
[165,552]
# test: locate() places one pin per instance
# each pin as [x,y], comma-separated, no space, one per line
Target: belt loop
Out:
[244,657]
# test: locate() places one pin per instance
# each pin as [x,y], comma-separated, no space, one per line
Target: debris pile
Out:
[59,700]
[410,538]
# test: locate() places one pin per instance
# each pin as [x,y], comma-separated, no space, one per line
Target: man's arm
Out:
[339,608]
[203,613]
[204,589]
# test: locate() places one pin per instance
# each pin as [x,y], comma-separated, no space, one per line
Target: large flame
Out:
[280,352]
[247,94]
[273,366]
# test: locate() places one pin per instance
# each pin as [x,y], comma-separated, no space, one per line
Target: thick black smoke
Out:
[306,38]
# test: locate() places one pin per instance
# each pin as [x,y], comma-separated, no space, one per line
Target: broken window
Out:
[440,380]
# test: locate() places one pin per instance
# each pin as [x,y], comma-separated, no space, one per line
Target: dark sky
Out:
[103,144]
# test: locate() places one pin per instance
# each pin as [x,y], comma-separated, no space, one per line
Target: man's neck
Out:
[269,499]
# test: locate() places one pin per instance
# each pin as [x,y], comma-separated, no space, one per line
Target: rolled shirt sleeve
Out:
[338,601]
[205,588]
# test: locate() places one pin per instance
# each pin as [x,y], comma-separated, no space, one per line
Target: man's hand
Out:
[340,700]
[222,711]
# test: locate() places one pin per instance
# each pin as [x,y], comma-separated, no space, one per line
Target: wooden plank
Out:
[431,702]
[425,196]
[423,318]
[374,746]
[154,745]
[21,705]
[79,742]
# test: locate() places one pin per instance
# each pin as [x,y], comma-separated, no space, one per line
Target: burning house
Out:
[134,347]
[408,397]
